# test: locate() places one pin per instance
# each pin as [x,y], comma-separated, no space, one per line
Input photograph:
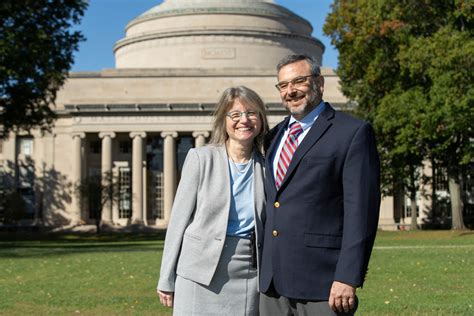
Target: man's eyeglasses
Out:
[236,115]
[296,82]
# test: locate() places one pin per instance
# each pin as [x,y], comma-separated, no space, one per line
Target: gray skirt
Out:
[233,289]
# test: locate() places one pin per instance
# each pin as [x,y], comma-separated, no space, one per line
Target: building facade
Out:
[137,121]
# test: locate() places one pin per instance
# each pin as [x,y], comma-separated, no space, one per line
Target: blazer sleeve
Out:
[182,211]
[361,184]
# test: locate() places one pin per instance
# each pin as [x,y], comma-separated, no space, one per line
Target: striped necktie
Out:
[287,152]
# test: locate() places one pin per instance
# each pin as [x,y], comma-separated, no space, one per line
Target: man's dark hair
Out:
[315,69]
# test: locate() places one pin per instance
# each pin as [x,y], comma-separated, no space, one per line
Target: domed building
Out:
[138,120]
[244,35]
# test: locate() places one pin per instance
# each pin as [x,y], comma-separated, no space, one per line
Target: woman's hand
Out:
[166,298]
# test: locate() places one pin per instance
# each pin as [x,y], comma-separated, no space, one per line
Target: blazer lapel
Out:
[315,133]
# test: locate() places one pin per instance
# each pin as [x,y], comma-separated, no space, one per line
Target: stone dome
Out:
[215,34]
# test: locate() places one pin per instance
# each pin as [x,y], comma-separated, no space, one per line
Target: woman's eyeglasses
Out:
[236,115]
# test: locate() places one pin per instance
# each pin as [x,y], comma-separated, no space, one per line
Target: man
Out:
[323,199]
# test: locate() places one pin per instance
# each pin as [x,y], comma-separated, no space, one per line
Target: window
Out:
[125,194]
[25,146]
[441,179]
[155,194]
[408,211]
[154,157]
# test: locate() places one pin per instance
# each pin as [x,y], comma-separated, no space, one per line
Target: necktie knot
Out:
[295,129]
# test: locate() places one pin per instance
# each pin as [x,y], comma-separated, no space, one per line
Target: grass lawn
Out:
[422,273]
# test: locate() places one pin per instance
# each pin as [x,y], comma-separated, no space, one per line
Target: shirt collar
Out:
[310,118]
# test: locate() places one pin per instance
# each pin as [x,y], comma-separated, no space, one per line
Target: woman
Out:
[209,263]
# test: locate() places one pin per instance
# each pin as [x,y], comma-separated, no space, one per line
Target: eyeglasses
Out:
[236,115]
[296,82]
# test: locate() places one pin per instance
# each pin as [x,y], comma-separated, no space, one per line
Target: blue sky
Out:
[104,22]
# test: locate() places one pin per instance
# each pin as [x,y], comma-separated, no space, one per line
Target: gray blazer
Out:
[198,224]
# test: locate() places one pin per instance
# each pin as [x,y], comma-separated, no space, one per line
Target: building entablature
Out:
[202,109]
[185,72]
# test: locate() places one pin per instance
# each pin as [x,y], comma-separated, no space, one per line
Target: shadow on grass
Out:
[82,237]
[467,233]
[41,245]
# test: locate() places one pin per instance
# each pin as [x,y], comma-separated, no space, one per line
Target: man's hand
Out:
[166,298]
[341,297]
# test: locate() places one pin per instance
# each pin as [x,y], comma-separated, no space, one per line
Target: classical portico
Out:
[145,208]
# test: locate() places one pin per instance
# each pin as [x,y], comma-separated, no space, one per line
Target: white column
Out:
[40,176]
[169,172]
[426,193]
[145,189]
[77,176]
[200,138]
[386,221]
[106,171]
[137,175]
[48,193]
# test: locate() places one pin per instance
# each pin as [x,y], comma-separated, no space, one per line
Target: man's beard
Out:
[317,95]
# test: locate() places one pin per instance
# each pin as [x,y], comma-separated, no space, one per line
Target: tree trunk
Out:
[456,203]
[398,203]
[413,189]
[97,226]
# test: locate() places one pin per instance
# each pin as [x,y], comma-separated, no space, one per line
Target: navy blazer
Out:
[321,224]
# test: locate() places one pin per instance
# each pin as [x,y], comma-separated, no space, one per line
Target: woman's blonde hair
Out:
[247,97]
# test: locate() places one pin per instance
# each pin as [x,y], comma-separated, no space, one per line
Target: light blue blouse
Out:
[241,214]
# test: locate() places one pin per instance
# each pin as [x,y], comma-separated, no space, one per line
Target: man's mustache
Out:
[295,95]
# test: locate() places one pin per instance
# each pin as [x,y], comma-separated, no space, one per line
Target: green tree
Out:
[401,144]
[408,64]
[444,60]
[36,52]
